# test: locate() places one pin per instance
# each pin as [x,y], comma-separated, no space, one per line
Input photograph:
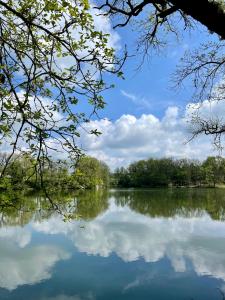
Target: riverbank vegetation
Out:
[87,173]
[91,173]
[170,172]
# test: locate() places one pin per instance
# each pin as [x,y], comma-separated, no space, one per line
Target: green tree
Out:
[168,172]
[214,170]
[20,172]
[121,178]
[91,173]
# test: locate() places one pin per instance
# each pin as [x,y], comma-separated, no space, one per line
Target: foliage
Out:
[169,172]
[91,173]
[88,173]
[52,58]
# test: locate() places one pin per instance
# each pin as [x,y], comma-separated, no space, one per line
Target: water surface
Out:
[146,244]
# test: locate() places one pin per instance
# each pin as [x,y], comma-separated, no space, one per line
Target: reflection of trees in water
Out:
[170,202]
[16,208]
[19,209]
[90,204]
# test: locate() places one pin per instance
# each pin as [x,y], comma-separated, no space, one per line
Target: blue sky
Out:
[144,116]
[151,84]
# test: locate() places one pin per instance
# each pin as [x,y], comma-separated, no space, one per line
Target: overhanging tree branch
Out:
[209,13]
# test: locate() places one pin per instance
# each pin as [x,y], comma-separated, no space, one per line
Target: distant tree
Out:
[196,171]
[214,170]
[91,173]
[20,171]
[139,174]
[169,172]
[121,177]
[56,176]
[52,58]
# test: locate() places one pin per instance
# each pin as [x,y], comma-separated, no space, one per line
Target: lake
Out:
[117,244]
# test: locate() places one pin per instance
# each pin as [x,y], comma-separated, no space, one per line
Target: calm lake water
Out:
[146,244]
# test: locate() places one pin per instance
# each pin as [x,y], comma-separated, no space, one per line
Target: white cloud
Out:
[141,102]
[207,110]
[130,138]
[103,23]
[42,104]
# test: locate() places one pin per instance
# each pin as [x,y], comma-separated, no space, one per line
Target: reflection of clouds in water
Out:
[141,280]
[17,235]
[88,296]
[131,236]
[62,297]
[132,284]
[28,265]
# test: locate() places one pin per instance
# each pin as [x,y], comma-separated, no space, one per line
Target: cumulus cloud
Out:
[130,138]
[132,236]
[53,118]
[206,110]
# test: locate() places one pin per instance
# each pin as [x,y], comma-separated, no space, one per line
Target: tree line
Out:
[171,172]
[87,173]
[91,173]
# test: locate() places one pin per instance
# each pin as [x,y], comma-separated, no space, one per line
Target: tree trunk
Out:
[211,14]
